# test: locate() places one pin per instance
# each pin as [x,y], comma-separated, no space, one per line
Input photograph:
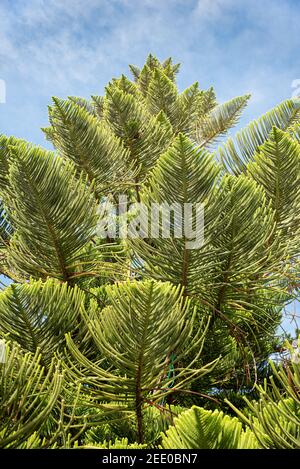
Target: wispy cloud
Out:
[73,47]
[210,10]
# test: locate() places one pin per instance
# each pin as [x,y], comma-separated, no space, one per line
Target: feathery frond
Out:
[236,153]
[146,322]
[38,315]
[276,167]
[90,145]
[27,395]
[275,417]
[198,428]
[54,212]
[219,120]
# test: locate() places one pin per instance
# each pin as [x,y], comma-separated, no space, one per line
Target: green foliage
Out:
[145,323]
[183,174]
[275,417]
[238,152]
[148,326]
[91,145]
[276,167]
[38,315]
[204,429]
[28,394]
[53,211]
[156,418]
[142,135]
[220,119]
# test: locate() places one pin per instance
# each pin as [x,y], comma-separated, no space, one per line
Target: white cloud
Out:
[75,46]
[212,9]
[36,12]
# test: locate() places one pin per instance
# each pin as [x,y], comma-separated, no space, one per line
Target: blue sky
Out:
[74,47]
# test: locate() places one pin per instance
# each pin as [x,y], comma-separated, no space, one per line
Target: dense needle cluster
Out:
[144,342]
